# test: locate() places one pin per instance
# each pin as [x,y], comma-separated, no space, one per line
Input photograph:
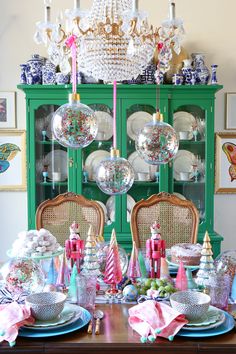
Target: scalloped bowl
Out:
[46,305]
[192,304]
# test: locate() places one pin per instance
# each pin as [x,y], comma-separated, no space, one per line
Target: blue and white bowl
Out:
[192,304]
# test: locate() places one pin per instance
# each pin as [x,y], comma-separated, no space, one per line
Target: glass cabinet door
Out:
[146,183]
[189,177]
[51,162]
[92,155]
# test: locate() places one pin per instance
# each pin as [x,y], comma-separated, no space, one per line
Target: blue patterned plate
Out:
[84,319]
[225,327]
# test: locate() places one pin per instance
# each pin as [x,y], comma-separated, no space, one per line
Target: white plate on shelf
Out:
[57,162]
[104,209]
[92,162]
[130,202]
[105,126]
[140,166]
[183,162]
[110,206]
[136,122]
[184,121]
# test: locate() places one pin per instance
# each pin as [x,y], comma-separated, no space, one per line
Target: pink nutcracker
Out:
[74,246]
[155,250]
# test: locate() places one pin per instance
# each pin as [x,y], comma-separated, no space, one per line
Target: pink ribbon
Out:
[114,114]
[71,43]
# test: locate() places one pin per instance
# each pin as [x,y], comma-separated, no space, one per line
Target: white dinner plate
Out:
[104,209]
[104,122]
[136,122]
[140,166]
[183,162]
[130,202]
[110,206]
[183,121]
[92,162]
[57,162]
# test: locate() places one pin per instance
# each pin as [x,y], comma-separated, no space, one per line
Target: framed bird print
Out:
[225,164]
[12,160]
[7,110]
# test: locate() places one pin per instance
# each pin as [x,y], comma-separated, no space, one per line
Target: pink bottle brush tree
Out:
[113,273]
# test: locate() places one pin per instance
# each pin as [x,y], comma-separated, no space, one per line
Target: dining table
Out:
[116,336]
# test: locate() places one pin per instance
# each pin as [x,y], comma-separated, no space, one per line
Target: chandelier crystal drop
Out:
[157,142]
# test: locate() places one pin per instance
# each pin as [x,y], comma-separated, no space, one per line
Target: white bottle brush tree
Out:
[91,264]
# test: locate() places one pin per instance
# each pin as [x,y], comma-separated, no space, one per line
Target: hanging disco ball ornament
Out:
[115,174]
[157,142]
[74,125]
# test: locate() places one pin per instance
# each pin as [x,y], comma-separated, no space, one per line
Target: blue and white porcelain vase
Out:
[62,79]
[202,72]
[213,74]
[34,70]
[23,79]
[187,71]
[49,73]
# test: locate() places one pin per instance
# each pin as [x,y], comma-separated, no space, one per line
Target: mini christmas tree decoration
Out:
[91,264]
[63,278]
[72,291]
[165,274]
[133,271]
[113,273]
[142,265]
[191,283]
[52,273]
[206,262]
[181,282]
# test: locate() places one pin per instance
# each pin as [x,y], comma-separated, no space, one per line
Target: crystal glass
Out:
[218,286]
[86,290]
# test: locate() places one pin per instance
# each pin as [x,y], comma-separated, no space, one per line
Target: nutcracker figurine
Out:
[155,250]
[74,246]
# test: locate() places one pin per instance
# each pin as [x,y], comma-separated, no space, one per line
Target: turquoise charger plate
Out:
[225,327]
[47,332]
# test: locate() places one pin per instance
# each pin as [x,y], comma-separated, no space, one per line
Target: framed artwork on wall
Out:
[225,164]
[7,110]
[12,160]
[230,111]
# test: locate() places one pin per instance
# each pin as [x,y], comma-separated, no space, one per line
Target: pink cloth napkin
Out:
[151,319]
[12,317]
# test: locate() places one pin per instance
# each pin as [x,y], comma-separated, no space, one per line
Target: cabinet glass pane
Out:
[146,176]
[50,157]
[189,164]
[91,157]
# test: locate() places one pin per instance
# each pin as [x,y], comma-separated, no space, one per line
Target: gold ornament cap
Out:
[74,97]
[157,117]
[115,152]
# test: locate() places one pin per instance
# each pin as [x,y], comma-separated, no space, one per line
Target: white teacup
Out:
[184,135]
[56,176]
[184,176]
[143,176]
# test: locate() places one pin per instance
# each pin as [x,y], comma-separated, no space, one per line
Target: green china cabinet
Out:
[53,169]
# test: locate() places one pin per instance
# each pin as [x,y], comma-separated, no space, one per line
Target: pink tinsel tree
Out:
[113,273]
[133,271]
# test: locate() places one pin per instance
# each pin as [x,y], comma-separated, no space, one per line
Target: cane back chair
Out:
[178,219]
[56,215]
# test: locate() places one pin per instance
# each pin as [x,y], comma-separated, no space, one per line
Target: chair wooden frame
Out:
[75,198]
[159,198]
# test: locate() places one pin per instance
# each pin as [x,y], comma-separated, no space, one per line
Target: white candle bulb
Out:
[76,4]
[47,13]
[172,11]
[135,5]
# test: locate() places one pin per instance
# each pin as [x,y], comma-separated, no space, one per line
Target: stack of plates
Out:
[73,317]
[110,206]
[136,122]
[92,162]
[184,162]
[213,323]
[183,122]
[142,167]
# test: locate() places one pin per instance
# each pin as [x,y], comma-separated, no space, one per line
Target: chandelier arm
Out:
[49,35]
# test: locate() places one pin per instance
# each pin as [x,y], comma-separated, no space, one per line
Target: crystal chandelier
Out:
[114,39]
